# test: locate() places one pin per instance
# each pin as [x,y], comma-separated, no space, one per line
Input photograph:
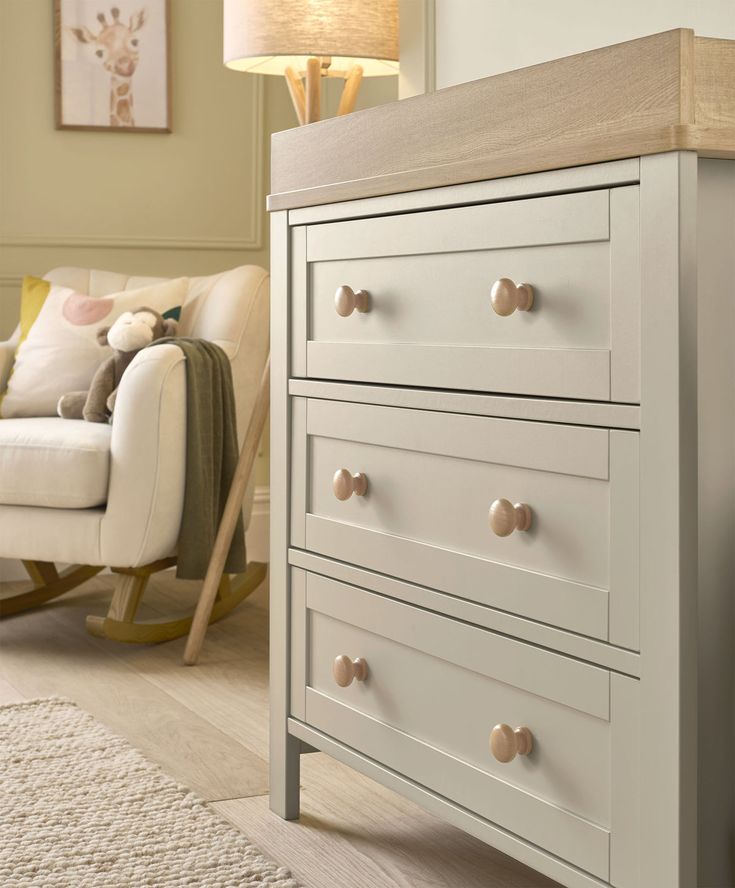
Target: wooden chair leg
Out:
[129,589]
[126,597]
[43,573]
[229,595]
[228,524]
[124,604]
[49,584]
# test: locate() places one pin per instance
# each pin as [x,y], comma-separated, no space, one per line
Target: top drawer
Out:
[430,321]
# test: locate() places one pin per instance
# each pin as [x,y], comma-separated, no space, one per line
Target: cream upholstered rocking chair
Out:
[133,471]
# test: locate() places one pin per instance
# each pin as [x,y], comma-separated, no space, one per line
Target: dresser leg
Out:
[284,776]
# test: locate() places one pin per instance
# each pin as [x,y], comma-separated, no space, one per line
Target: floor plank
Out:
[208,727]
[48,652]
[229,686]
[9,694]
[354,832]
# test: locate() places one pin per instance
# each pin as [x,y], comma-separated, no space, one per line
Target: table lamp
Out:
[309,39]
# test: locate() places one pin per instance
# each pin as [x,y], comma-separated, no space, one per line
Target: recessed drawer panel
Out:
[430,317]
[550,783]
[537,519]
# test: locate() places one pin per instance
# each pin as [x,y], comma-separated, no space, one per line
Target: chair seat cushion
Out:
[53,462]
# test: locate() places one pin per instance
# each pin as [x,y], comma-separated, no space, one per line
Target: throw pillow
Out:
[33,294]
[60,353]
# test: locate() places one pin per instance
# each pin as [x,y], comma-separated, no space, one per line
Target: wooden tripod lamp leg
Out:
[296,90]
[228,524]
[350,90]
[313,90]
[307,102]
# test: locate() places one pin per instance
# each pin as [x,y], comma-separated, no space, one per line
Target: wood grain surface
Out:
[667,92]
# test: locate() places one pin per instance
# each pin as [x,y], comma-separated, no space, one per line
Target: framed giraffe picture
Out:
[112,65]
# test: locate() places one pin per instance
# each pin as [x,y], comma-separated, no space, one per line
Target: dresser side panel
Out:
[716,394]
[668,519]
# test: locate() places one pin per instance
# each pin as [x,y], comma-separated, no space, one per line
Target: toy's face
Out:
[132,331]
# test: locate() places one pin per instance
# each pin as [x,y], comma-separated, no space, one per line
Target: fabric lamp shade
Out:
[268,36]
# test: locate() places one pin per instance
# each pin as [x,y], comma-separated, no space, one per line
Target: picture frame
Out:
[112,65]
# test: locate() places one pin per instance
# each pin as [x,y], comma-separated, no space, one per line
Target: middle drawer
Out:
[441,507]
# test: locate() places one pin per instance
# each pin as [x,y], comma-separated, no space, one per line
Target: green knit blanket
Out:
[211,457]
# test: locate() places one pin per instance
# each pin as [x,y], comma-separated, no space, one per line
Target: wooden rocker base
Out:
[49,584]
[120,624]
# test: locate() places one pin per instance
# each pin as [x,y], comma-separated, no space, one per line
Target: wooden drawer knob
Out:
[506,297]
[505,517]
[346,670]
[346,301]
[344,484]
[506,743]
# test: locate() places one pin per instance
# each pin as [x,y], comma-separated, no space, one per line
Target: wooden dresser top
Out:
[668,92]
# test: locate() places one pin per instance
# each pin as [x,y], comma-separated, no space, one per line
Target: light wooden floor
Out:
[207,726]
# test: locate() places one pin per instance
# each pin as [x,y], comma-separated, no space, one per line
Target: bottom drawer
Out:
[433,691]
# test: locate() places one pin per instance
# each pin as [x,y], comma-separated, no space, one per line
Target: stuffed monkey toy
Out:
[130,333]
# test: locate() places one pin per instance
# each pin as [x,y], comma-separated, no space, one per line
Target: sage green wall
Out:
[187,203]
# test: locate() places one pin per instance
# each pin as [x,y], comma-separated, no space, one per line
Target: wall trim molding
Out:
[124,242]
[11,280]
[251,242]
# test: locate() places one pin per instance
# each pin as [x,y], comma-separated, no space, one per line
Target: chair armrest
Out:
[148,460]
[7,353]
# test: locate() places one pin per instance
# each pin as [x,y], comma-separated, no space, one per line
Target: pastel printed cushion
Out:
[60,352]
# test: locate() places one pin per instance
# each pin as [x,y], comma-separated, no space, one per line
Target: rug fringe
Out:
[36,701]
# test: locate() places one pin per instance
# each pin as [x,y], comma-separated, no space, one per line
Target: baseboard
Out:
[258,537]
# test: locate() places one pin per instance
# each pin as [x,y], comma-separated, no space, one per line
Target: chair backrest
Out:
[230,308]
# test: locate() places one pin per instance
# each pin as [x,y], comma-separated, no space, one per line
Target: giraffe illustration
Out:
[117,47]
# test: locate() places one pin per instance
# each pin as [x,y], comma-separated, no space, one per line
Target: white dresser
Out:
[503,459]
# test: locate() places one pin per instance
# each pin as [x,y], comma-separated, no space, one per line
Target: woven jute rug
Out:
[80,808]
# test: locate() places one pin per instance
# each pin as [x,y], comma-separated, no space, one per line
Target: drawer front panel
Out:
[401,289]
[430,321]
[432,478]
[420,664]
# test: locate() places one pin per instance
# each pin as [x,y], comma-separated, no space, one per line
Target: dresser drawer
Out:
[425,516]
[582,719]
[430,319]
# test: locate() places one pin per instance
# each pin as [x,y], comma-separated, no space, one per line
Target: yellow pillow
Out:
[32,296]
